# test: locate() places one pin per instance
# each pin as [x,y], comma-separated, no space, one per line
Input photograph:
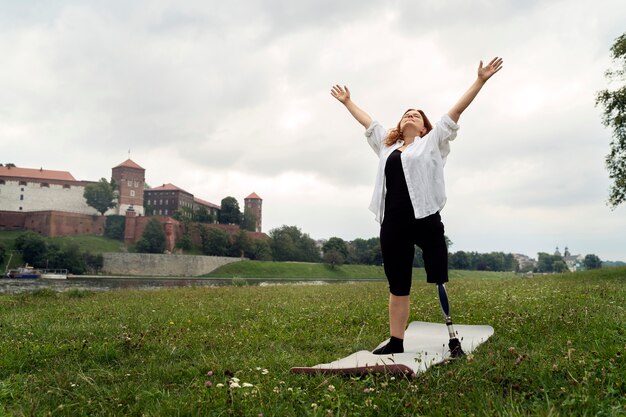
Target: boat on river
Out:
[24,272]
[54,273]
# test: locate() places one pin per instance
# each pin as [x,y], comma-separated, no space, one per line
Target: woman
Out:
[408,195]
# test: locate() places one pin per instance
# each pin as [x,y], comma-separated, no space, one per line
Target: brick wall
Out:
[53,223]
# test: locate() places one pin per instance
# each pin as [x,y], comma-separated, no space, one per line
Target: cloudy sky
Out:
[223,98]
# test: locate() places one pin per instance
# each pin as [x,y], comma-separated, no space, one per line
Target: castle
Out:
[57,194]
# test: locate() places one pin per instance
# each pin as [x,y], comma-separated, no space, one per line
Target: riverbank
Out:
[558,349]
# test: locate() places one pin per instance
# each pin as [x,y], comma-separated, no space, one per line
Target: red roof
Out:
[253,196]
[38,174]
[206,203]
[168,187]
[129,164]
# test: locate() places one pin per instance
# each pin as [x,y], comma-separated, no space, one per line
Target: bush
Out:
[215,242]
[153,238]
[114,227]
[33,247]
[333,258]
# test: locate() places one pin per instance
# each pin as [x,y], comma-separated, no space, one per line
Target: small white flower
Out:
[247,385]
[233,384]
[234,379]
[265,372]
[220,385]
[331,388]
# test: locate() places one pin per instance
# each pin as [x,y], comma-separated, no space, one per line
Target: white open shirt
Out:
[422,163]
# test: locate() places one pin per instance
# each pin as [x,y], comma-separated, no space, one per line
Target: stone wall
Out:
[148,264]
[31,195]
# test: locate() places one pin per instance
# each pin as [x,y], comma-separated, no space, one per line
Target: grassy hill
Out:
[264,269]
[87,243]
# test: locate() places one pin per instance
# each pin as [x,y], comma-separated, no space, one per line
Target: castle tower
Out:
[130,179]
[253,203]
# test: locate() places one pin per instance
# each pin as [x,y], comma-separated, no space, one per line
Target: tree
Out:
[114,227]
[288,243]
[338,245]
[215,242]
[249,220]
[241,244]
[230,213]
[260,250]
[152,239]
[365,252]
[333,258]
[550,263]
[100,195]
[459,260]
[614,117]
[592,262]
[33,248]
[202,215]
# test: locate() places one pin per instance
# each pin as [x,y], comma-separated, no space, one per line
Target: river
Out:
[16,286]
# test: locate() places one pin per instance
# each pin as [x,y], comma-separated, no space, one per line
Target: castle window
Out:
[22,183]
[136,184]
[132,193]
[20,209]
[44,185]
[66,186]
[2,182]
[165,211]
[160,202]
[22,197]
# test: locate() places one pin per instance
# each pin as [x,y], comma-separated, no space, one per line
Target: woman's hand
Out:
[484,73]
[340,93]
[343,95]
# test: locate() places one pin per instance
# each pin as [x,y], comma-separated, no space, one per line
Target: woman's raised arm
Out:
[484,73]
[343,95]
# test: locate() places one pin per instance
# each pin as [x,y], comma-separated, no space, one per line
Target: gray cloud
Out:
[226,98]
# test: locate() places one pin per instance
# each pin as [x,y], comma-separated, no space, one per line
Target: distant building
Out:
[525,263]
[168,199]
[130,179]
[574,262]
[254,204]
[28,189]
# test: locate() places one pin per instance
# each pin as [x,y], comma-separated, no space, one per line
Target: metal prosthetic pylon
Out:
[454,344]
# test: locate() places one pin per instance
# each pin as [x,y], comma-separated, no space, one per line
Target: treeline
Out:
[474,261]
[42,253]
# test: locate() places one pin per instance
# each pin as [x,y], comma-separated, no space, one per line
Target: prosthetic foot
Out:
[454,344]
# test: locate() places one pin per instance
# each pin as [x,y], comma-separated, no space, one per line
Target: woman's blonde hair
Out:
[395,134]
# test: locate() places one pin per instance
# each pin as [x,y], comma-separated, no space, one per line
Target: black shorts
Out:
[398,237]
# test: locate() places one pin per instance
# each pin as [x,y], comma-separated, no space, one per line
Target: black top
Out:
[397,200]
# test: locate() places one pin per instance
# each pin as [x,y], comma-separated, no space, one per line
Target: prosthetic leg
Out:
[454,344]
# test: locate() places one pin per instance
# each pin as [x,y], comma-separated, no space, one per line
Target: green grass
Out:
[86,243]
[90,243]
[265,269]
[558,350]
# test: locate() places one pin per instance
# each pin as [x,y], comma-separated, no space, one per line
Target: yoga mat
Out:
[425,344]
